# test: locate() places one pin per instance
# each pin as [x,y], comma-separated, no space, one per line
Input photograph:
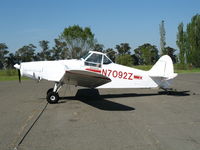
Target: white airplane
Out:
[96,70]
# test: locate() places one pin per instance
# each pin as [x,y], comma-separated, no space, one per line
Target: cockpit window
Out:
[106,60]
[94,60]
[86,55]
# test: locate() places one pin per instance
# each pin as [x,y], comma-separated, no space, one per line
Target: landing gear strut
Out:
[52,93]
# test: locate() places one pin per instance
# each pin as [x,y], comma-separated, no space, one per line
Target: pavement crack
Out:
[29,129]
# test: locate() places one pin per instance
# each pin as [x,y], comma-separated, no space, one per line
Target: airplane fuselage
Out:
[121,76]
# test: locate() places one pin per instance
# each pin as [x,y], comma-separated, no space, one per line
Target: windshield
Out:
[94,60]
[106,60]
[85,56]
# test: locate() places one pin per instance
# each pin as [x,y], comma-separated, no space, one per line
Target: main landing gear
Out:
[52,93]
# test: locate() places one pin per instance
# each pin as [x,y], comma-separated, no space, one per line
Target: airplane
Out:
[96,70]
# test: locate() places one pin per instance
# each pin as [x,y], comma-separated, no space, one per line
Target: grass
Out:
[12,74]
[9,75]
[187,70]
[176,68]
[143,67]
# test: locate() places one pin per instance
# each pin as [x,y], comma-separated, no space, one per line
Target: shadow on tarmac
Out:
[93,98]
[175,93]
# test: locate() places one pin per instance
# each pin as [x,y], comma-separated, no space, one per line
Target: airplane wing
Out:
[85,78]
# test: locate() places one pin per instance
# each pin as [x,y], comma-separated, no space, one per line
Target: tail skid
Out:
[163,72]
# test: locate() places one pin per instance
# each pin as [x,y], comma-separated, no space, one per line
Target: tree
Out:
[60,50]
[162,38]
[98,47]
[3,52]
[170,51]
[123,48]
[135,59]
[111,54]
[181,43]
[125,59]
[37,57]
[78,40]
[45,54]
[193,37]
[146,54]
[10,60]
[26,53]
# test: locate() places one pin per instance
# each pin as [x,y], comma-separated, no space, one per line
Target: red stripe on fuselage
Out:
[93,70]
[137,77]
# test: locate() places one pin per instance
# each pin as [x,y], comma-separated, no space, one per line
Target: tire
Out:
[49,90]
[52,98]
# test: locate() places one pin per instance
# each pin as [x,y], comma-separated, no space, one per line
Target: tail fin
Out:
[163,71]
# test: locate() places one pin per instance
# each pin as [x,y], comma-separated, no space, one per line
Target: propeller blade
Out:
[19,75]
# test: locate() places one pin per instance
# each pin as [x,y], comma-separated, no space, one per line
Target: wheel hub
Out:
[52,98]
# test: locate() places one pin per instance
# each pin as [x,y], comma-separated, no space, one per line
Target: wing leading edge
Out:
[85,78]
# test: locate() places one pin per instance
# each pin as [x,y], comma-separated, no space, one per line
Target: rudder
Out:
[163,68]
[163,72]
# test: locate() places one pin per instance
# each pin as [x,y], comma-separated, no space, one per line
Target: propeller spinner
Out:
[17,66]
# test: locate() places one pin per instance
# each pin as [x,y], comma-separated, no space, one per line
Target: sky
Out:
[136,22]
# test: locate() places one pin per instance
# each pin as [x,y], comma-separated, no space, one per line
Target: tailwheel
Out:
[52,97]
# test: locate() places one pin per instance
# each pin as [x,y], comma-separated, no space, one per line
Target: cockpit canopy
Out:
[96,59]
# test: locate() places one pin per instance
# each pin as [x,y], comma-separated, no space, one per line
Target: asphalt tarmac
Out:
[103,119]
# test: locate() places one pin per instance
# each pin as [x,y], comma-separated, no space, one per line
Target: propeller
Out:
[19,75]
[18,67]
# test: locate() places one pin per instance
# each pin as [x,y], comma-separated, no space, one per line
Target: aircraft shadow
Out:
[175,93]
[93,98]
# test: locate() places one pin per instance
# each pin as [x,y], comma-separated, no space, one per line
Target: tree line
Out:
[188,42]
[75,41]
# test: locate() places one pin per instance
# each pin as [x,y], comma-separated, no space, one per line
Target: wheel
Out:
[49,90]
[52,97]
